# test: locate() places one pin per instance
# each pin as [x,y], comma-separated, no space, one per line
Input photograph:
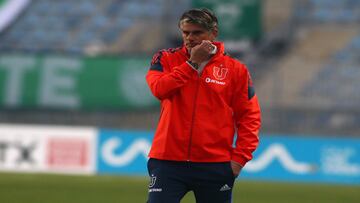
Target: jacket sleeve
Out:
[165,81]
[247,118]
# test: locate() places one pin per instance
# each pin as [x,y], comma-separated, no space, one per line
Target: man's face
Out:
[194,34]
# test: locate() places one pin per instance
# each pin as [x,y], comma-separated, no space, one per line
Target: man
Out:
[205,97]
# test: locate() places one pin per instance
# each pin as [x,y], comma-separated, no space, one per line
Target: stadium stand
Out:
[302,62]
[324,11]
[276,14]
[314,87]
[75,27]
[337,82]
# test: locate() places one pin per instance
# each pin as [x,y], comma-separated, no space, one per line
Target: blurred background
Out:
[303,55]
[74,100]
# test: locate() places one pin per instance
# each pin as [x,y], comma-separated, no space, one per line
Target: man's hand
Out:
[236,168]
[201,52]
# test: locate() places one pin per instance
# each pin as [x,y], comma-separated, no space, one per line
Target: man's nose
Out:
[190,36]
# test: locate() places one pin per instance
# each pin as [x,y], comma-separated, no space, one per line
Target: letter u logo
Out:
[152,181]
[219,73]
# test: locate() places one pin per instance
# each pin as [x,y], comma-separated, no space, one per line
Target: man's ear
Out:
[215,33]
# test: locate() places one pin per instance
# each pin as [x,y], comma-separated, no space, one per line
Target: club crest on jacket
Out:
[219,73]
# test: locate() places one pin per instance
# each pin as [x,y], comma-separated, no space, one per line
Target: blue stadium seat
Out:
[338,81]
[78,23]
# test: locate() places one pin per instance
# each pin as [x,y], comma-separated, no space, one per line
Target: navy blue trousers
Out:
[171,180]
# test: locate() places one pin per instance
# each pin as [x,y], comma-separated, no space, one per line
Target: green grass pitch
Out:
[30,188]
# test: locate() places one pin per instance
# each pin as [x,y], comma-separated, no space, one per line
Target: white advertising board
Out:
[47,149]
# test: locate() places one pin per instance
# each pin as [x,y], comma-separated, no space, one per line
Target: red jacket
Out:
[199,114]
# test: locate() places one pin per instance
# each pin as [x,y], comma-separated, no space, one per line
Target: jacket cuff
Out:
[185,69]
[192,67]
[239,159]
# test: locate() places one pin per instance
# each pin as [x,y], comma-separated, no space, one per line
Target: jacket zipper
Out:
[194,109]
[193,118]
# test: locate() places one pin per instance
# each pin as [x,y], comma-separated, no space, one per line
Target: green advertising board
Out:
[238,19]
[74,82]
